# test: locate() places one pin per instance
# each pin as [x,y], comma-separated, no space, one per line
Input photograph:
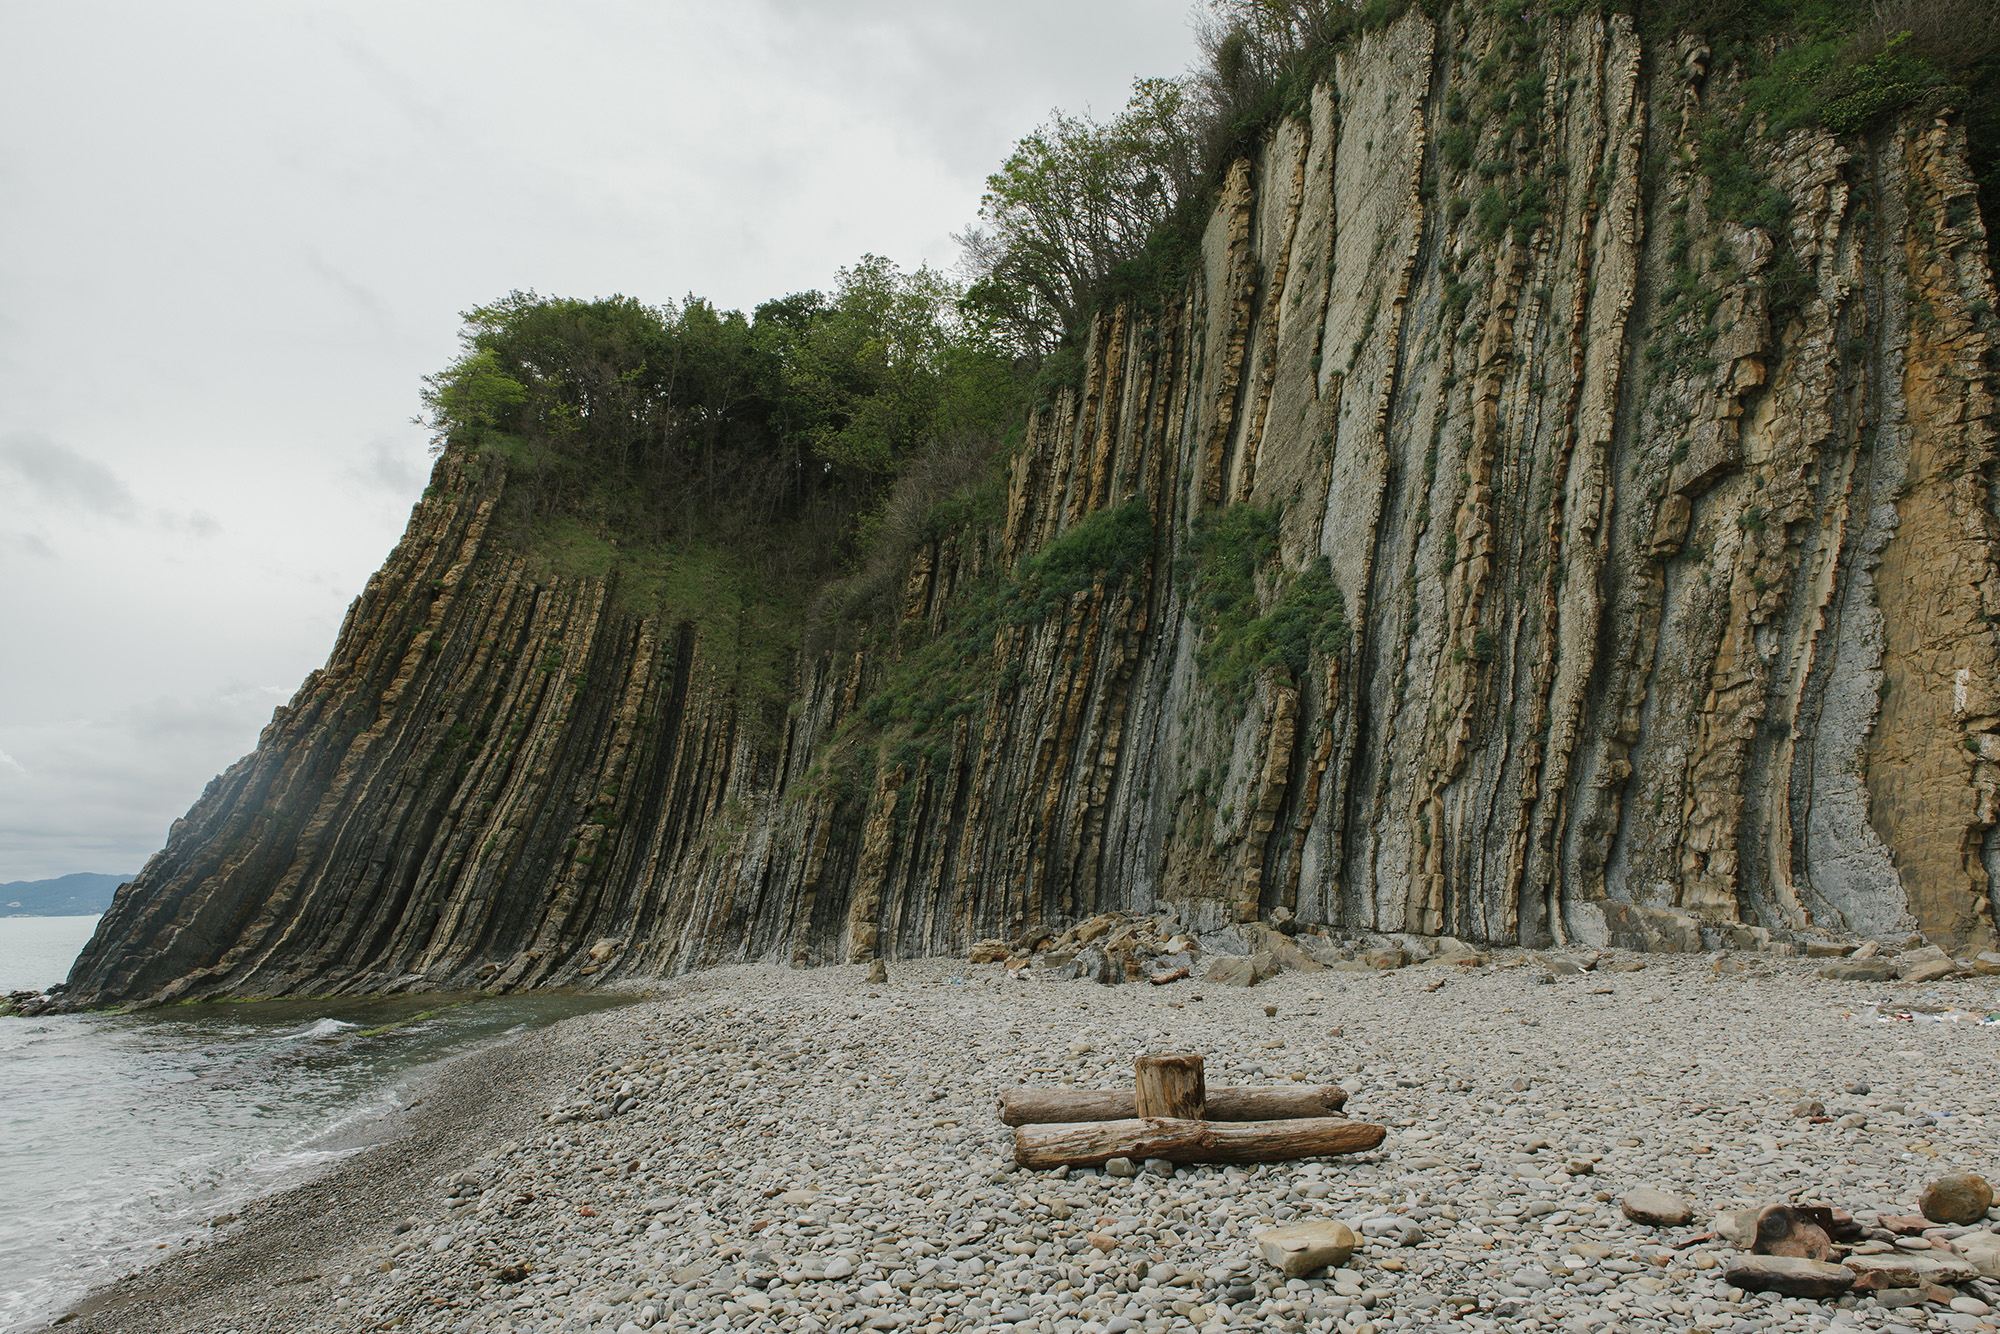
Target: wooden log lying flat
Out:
[1047,1106]
[1094,1143]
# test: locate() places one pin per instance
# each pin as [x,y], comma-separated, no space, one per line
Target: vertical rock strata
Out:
[1667,548]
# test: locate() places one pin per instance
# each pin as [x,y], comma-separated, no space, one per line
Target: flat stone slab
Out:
[1300,1248]
[1981,1250]
[1912,1269]
[1860,970]
[1790,1276]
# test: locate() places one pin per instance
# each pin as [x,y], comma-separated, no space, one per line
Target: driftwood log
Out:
[1046,1106]
[1170,1086]
[1092,1144]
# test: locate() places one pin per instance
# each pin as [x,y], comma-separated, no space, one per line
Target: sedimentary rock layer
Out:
[1665,542]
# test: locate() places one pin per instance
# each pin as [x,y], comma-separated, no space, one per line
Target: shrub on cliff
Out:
[1848,65]
[887,366]
[1104,547]
[667,418]
[1231,555]
[934,680]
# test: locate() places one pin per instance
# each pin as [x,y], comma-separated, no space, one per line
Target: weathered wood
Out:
[1047,1106]
[1094,1143]
[1169,1085]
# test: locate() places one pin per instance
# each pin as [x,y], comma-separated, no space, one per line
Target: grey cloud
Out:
[362,298]
[194,523]
[218,715]
[294,272]
[61,476]
[27,544]
[389,467]
[405,94]
[918,57]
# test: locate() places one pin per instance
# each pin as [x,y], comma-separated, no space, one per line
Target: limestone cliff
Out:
[1664,552]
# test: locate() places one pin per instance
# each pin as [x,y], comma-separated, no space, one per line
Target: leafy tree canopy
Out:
[1077,199]
[690,407]
[886,366]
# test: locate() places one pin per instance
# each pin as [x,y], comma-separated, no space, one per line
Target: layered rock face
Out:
[1665,546]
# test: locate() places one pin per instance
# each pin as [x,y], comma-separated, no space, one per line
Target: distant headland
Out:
[80,895]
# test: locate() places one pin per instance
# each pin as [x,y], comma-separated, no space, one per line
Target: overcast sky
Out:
[234,238]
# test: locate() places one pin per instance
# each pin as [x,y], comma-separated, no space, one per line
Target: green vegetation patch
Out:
[416,1018]
[1850,65]
[719,470]
[1105,546]
[951,674]
[1229,552]
[747,626]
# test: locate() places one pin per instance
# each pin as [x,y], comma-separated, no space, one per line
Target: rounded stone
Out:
[1656,1208]
[1958,1197]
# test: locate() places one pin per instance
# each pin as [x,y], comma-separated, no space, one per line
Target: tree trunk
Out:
[1044,1106]
[1092,1144]
[1169,1086]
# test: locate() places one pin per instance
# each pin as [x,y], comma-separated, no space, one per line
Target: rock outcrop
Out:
[1664,548]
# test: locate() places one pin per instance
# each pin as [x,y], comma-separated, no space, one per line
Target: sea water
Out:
[36,952]
[122,1135]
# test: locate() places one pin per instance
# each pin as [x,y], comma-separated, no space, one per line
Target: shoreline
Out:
[802,1150]
[294,1234]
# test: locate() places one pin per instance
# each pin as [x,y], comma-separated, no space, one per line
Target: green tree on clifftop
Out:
[681,413]
[885,366]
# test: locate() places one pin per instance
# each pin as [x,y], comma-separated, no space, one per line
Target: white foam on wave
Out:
[342,1119]
[187,1122]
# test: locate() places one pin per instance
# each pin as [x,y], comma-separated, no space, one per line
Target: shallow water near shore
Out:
[122,1135]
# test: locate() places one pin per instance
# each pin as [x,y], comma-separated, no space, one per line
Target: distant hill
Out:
[76,895]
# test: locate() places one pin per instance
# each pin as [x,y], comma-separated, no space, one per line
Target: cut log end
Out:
[1094,1143]
[1169,1086]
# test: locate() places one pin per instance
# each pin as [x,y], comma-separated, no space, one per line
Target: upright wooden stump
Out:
[1170,1086]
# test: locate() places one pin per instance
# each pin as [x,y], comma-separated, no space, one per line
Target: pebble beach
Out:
[759,1148]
